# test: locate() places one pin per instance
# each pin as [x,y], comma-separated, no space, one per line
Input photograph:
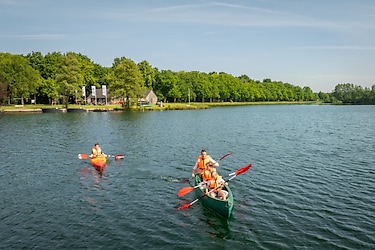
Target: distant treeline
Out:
[57,77]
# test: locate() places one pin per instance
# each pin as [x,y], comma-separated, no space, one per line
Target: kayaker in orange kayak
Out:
[96,151]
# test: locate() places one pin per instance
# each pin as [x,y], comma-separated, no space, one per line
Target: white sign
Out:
[93,90]
[104,90]
[83,91]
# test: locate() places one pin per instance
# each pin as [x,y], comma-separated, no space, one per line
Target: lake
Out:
[311,185]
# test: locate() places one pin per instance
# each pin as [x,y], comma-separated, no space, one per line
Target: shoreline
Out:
[39,110]
[167,106]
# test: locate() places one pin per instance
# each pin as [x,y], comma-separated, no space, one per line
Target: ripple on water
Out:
[311,185]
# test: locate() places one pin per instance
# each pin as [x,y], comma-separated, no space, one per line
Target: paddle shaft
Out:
[86,156]
[221,158]
[185,190]
[238,172]
[194,201]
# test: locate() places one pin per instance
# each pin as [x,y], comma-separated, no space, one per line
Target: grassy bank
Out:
[166,106]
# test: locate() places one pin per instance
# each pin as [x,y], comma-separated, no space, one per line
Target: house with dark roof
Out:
[98,99]
[148,97]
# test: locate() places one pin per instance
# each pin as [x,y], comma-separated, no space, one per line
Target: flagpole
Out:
[189,95]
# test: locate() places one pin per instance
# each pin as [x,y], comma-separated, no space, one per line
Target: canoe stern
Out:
[221,207]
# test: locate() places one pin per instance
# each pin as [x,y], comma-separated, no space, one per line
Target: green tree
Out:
[3,90]
[51,64]
[50,89]
[48,67]
[185,86]
[324,97]
[88,71]
[21,79]
[244,78]
[125,80]
[166,85]
[69,78]
[223,81]
[36,60]
[351,94]
[372,95]
[309,94]
[148,74]
[298,93]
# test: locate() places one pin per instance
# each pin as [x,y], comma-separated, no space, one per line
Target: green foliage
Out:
[49,88]
[125,80]
[88,71]
[69,78]
[59,77]
[148,74]
[324,97]
[165,82]
[349,93]
[19,76]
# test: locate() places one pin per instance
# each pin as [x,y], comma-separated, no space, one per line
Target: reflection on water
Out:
[217,226]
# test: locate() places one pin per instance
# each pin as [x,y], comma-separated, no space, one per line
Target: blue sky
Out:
[318,43]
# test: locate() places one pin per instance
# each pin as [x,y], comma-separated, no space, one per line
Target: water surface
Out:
[311,185]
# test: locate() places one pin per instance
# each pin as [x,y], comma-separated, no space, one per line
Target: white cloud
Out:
[336,47]
[221,14]
[35,36]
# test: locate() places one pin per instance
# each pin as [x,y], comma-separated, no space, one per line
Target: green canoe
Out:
[222,207]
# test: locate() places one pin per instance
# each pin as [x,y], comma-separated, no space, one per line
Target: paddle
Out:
[238,172]
[86,156]
[185,190]
[225,156]
[221,158]
[186,206]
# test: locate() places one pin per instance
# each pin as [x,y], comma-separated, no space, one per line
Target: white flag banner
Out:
[104,90]
[93,90]
[83,91]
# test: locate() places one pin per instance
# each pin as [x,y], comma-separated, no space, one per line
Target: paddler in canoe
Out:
[213,192]
[200,165]
[215,186]
[214,183]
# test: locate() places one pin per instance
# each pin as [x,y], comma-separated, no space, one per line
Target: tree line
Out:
[58,77]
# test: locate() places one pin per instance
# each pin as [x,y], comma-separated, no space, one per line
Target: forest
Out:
[60,77]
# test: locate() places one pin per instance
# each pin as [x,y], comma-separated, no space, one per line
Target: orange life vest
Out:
[202,163]
[95,152]
[207,175]
[214,183]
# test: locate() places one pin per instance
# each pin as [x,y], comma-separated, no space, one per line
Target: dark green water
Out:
[311,185]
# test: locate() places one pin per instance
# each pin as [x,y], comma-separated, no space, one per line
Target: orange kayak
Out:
[99,163]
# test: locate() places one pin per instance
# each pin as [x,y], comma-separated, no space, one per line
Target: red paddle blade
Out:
[225,156]
[244,169]
[83,156]
[186,206]
[185,190]
[119,156]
